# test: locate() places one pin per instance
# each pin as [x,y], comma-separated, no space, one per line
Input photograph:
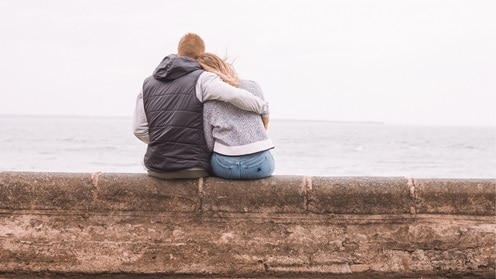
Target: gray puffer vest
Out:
[175,117]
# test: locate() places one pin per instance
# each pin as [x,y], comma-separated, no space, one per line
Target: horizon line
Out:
[371,122]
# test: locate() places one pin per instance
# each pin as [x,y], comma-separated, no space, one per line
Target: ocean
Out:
[310,148]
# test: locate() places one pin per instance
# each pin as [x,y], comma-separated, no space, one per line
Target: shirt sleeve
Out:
[210,87]
[207,128]
[140,122]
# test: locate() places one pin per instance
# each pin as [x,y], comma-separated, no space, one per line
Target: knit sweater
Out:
[233,132]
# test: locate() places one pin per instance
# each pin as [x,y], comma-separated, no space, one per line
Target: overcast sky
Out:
[400,62]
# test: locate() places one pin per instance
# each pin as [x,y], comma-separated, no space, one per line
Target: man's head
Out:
[191,45]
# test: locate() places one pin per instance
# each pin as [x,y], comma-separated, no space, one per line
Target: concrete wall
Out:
[133,226]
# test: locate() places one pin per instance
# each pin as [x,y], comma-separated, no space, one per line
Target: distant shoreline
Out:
[62,116]
[330,121]
[283,120]
[129,116]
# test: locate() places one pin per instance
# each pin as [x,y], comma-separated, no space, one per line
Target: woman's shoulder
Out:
[248,83]
[251,86]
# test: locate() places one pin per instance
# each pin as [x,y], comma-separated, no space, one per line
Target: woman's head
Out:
[213,63]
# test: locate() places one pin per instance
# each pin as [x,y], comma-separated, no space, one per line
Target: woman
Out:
[237,139]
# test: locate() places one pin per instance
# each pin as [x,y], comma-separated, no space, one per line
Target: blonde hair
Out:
[191,45]
[213,63]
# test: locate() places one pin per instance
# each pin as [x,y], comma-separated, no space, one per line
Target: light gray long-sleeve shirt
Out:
[208,87]
[233,132]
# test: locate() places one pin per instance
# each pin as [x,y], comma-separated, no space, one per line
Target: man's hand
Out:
[265,120]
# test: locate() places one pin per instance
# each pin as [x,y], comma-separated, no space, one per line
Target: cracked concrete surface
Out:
[131,225]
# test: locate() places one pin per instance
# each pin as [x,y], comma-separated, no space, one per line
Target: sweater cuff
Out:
[266,110]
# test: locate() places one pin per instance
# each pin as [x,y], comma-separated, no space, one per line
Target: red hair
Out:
[191,45]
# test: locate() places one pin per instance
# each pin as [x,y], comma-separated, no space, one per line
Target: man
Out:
[169,112]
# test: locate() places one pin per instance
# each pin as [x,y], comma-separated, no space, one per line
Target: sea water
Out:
[312,148]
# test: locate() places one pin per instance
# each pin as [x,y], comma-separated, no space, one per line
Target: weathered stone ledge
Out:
[132,226]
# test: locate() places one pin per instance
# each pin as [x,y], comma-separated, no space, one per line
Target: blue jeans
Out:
[253,166]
